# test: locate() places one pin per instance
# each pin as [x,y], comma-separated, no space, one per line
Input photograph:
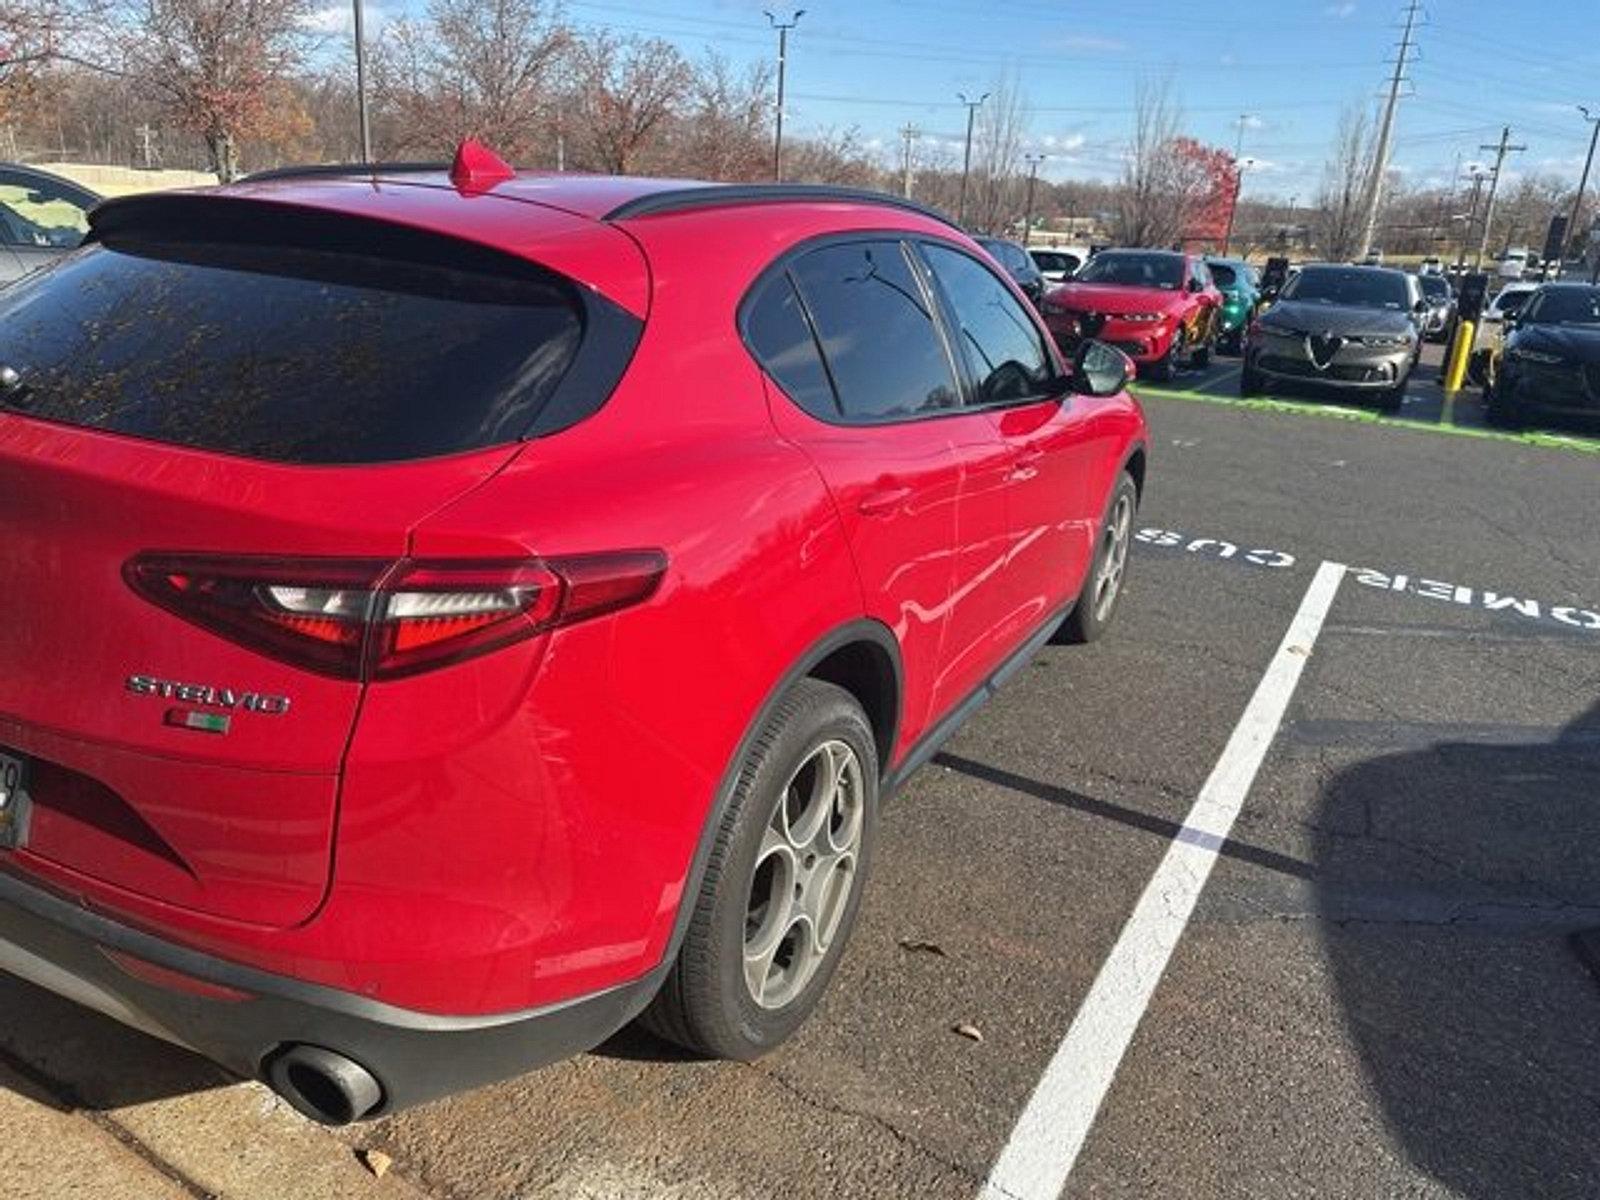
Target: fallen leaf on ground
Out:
[375,1161]
[969,1031]
[916,946]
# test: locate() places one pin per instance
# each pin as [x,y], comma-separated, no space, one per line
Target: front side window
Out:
[876,330]
[998,339]
[1564,306]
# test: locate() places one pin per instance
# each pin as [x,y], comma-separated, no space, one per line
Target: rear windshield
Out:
[288,354]
[1359,287]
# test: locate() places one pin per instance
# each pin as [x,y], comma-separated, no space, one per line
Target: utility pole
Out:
[966,161]
[1500,151]
[145,135]
[1583,184]
[783,28]
[361,84]
[1034,161]
[1477,175]
[908,136]
[1380,160]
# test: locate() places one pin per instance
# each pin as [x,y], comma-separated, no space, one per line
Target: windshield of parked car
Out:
[1434,287]
[1511,300]
[1051,260]
[1355,287]
[1224,275]
[1564,306]
[1153,270]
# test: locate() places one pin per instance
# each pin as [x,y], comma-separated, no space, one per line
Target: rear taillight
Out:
[379,619]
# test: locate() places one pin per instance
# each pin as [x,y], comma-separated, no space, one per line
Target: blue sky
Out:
[1291,65]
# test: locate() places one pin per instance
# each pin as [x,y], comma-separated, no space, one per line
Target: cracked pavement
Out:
[1375,997]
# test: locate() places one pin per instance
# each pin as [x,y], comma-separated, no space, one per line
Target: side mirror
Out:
[1196,286]
[1099,369]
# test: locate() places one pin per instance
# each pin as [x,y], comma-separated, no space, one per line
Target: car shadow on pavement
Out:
[1450,884]
[72,1057]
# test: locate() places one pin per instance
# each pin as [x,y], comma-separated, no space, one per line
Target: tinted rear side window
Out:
[878,335]
[777,330]
[289,354]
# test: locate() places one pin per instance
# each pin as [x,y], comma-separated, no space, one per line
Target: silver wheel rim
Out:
[1113,557]
[805,872]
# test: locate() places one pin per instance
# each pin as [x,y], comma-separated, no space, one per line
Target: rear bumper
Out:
[241,1017]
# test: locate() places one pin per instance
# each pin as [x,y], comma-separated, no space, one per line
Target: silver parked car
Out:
[1355,329]
[42,217]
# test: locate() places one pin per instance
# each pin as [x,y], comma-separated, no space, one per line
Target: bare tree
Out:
[832,156]
[218,64]
[1162,186]
[33,35]
[479,68]
[726,132]
[1338,219]
[626,89]
[1001,128]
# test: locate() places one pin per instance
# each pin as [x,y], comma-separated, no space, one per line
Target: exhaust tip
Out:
[323,1084]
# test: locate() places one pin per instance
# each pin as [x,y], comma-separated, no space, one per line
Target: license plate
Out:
[13,799]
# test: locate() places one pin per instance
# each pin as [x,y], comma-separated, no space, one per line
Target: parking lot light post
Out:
[966,159]
[1034,161]
[783,28]
[361,83]
[1583,184]
[1241,165]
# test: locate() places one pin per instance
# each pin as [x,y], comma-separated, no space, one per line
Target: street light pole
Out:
[1034,162]
[783,28]
[1583,184]
[361,84]
[966,161]
[1478,175]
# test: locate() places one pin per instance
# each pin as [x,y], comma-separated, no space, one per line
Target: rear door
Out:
[283,407]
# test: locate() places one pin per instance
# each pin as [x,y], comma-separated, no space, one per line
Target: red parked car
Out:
[447,612]
[1159,307]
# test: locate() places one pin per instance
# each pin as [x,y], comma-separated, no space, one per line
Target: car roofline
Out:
[714,195]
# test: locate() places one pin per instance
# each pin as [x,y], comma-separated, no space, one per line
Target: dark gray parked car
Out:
[42,217]
[1018,265]
[1355,329]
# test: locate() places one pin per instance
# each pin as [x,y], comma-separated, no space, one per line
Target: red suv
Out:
[1160,307]
[443,613]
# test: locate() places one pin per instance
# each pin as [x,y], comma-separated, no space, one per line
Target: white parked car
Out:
[1056,263]
[1513,264]
[1507,301]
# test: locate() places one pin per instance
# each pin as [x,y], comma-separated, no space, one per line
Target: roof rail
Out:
[325,169]
[717,194]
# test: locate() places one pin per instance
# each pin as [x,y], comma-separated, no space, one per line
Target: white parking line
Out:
[1045,1143]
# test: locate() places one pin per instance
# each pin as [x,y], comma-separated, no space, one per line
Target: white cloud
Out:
[1063,143]
[1340,12]
[338,20]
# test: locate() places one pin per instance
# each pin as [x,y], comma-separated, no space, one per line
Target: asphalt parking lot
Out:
[1374,994]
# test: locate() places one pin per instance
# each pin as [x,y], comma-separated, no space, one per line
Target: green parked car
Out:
[1241,292]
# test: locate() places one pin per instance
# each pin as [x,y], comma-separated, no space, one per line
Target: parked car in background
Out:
[1514,263]
[1353,329]
[1550,366]
[1057,263]
[1018,264]
[1441,300]
[42,217]
[1159,307]
[378,747]
[1490,336]
[1240,288]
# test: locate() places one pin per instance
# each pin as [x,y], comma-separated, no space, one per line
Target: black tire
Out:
[1497,412]
[1232,343]
[1394,399]
[1162,370]
[705,1005]
[1089,618]
[1250,382]
[1201,357]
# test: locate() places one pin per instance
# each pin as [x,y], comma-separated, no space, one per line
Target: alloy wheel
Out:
[804,874]
[1113,557]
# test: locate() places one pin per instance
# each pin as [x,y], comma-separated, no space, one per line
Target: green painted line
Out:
[1554,441]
